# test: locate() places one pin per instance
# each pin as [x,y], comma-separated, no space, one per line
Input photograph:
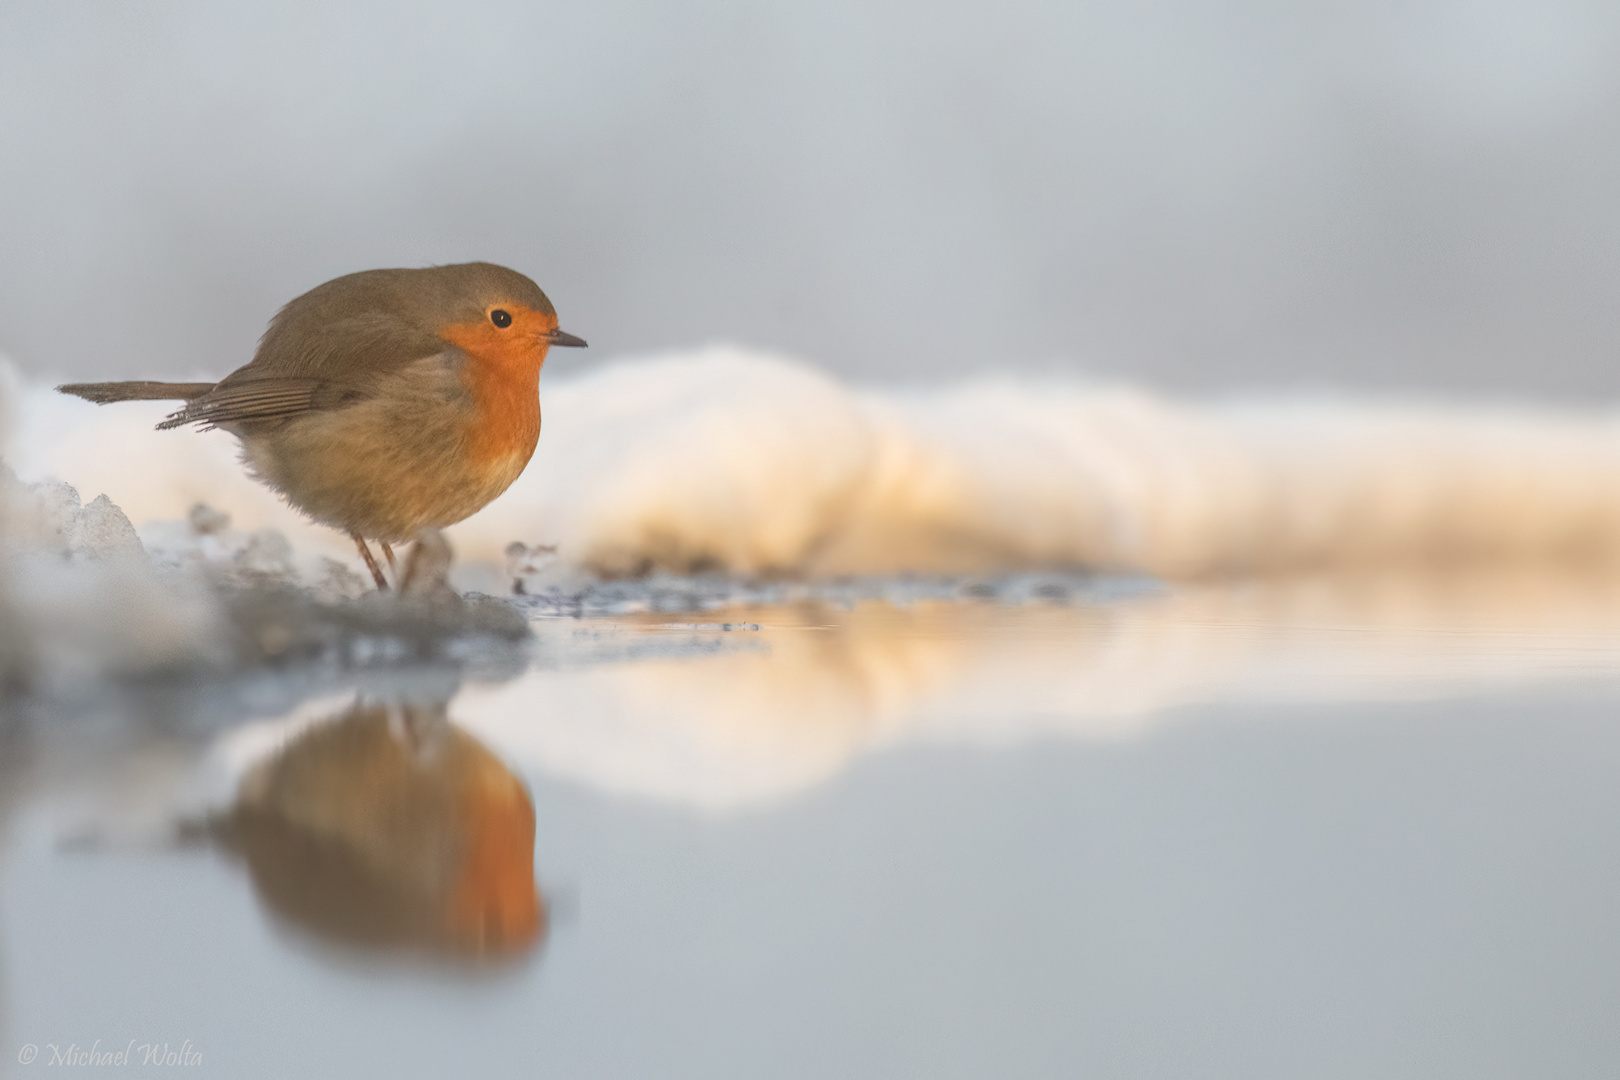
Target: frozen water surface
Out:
[1341,826]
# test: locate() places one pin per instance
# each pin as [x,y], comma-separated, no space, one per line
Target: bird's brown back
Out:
[335,344]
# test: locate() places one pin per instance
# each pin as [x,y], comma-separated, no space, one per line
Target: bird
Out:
[383,403]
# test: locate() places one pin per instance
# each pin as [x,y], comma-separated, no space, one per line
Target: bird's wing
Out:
[302,368]
[258,399]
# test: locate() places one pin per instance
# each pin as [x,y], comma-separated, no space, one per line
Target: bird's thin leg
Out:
[388,553]
[371,563]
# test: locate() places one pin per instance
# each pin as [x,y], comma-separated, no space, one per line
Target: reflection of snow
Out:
[814,688]
[684,711]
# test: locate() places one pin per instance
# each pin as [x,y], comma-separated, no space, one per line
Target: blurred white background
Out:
[1198,195]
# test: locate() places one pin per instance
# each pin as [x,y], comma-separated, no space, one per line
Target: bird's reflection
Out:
[389,828]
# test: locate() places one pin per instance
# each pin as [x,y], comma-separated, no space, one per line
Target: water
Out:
[1333,826]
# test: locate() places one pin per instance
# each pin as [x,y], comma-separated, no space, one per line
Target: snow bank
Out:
[730,460]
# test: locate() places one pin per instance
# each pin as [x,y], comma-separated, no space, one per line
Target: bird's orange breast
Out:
[503,377]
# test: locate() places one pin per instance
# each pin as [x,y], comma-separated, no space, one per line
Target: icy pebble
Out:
[100,530]
[206,521]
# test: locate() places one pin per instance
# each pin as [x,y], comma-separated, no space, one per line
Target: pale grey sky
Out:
[1192,194]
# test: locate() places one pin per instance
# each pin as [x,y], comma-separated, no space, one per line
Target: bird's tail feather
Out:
[103,393]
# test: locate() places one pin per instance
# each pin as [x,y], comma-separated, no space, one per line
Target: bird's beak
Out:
[563,337]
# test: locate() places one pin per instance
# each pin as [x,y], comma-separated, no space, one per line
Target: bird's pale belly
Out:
[384,472]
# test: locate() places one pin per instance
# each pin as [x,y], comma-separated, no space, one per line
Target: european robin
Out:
[386,402]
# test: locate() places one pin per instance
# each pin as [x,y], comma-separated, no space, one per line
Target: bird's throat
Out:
[506,405]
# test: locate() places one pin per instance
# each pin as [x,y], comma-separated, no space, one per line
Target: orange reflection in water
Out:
[388,827]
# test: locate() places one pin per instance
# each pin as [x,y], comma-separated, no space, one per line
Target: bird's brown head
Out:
[494,314]
[505,325]
[490,312]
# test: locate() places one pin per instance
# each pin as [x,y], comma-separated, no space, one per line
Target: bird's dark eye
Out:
[500,318]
